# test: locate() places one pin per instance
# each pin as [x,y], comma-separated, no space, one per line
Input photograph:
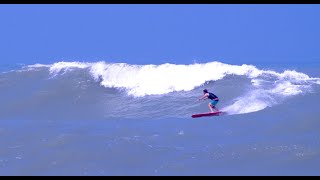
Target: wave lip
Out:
[141,80]
[268,87]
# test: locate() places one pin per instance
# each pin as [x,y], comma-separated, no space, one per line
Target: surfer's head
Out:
[205,91]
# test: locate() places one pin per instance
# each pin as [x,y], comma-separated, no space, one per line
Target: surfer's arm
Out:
[203,97]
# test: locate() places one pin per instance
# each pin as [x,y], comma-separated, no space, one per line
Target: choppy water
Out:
[75,118]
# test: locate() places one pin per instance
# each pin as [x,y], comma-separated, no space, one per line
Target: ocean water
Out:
[104,118]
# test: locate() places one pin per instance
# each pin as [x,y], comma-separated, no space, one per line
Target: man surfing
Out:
[214,99]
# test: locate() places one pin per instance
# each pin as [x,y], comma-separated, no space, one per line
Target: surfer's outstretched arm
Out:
[205,96]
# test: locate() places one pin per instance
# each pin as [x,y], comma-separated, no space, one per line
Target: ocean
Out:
[107,118]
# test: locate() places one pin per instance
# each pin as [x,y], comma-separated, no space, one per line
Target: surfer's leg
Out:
[216,109]
[213,105]
[210,107]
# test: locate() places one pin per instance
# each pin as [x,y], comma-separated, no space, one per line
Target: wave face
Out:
[75,90]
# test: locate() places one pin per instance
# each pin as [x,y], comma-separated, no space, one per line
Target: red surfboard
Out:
[206,114]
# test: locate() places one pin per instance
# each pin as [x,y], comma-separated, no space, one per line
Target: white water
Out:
[268,87]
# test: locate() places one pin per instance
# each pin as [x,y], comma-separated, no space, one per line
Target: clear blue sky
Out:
[155,34]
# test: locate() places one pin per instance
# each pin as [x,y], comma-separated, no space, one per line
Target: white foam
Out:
[273,93]
[242,107]
[293,75]
[67,66]
[141,80]
[287,89]
[38,66]
[268,95]
[33,67]
[252,101]
[257,82]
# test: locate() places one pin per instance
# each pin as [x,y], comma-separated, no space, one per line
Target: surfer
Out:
[214,99]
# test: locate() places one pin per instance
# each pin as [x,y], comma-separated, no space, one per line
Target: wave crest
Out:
[268,87]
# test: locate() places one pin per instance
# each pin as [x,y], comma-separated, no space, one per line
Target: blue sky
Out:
[155,34]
